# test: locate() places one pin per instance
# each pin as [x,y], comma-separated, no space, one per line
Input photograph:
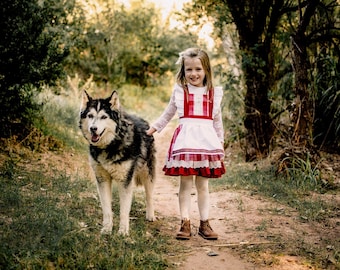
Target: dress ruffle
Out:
[204,172]
[209,166]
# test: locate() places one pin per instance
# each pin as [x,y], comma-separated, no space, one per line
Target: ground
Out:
[242,220]
[254,232]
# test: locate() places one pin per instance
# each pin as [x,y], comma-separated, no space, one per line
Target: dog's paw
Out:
[106,230]
[150,217]
[123,231]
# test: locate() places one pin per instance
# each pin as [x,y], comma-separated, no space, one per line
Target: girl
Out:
[196,148]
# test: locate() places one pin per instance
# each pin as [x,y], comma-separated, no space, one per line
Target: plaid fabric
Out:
[205,172]
[198,106]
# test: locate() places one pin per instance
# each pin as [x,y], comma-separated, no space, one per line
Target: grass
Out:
[298,189]
[50,223]
[51,220]
[293,190]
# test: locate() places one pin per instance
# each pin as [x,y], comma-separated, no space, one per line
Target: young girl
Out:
[196,149]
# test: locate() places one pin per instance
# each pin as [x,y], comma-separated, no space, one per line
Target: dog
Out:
[121,152]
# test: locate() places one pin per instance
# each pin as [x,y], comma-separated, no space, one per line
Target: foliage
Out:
[50,219]
[294,191]
[61,108]
[267,59]
[327,105]
[301,170]
[52,222]
[33,46]
[128,46]
[300,191]
[256,26]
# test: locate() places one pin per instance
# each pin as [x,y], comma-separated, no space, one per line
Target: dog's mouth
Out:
[96,137]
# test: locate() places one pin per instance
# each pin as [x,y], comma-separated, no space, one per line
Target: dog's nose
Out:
[93,129]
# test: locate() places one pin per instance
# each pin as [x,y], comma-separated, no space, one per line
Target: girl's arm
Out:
[217,120]
[165,118]
[151,131]
[218,125]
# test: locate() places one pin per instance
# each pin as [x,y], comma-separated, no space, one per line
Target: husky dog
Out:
[120,151]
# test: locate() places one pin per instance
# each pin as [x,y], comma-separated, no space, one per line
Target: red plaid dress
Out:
[195,148]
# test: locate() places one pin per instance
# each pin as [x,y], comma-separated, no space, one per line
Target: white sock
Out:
[203,196]
[184,196]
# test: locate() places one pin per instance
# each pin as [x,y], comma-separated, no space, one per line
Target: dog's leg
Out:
[125,198]
[149,186]
[105,195]
[104,187]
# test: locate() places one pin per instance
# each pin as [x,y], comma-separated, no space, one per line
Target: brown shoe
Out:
[206,231]
[184,233]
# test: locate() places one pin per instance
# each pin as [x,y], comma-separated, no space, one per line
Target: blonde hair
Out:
[203,56]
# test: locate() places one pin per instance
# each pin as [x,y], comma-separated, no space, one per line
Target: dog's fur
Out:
[120,151]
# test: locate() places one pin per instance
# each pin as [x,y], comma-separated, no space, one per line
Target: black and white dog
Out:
[120,151]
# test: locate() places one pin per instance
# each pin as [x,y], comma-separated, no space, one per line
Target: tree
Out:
[263,28]
[324,39]
[306,34]
[128,45]
[256,27]
[32,49]
[302,115]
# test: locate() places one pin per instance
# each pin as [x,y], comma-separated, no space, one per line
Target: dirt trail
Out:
[239,218]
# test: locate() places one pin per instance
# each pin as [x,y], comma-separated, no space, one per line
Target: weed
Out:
[302,172]
[47,223]
[240,205]
[298,190]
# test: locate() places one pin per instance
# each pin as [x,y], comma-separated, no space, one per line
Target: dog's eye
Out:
[103,117]
[90,115]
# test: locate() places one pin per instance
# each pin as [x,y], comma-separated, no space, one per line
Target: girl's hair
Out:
[203,56]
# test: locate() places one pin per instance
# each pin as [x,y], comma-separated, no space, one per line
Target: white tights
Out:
[202,187]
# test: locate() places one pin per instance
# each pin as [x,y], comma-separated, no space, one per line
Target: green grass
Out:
[299,190]
[53,223]
[52,220]
[293,190]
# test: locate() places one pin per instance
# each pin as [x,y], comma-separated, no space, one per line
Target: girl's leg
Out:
[184,196]
[203,201]
[184,206]
[203,197]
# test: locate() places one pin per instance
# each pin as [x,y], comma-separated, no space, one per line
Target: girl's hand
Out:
[150,131]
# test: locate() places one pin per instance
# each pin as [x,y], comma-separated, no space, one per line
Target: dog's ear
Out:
[85,99]
[114,101]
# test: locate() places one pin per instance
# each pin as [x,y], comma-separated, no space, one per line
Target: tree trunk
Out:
[302,113]
[256,25]
[257,105]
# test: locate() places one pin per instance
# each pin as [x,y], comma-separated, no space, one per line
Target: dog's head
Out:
[99,119]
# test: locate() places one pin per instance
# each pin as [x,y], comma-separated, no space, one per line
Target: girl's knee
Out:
[202,184]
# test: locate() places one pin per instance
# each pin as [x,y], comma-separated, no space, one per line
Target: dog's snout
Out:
[93,129]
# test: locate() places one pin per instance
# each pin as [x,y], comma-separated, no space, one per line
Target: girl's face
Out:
[194,72]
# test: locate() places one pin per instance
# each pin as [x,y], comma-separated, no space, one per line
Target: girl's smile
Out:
[194,72]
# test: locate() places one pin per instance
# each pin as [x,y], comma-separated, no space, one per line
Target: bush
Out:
[32,50]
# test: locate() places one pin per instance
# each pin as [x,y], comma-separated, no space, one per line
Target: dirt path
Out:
[250,227]
[241,220]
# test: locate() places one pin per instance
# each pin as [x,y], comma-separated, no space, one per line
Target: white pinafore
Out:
[195,148]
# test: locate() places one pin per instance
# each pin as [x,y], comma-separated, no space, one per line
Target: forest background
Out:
[278,63]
